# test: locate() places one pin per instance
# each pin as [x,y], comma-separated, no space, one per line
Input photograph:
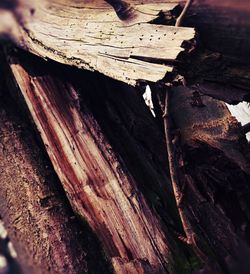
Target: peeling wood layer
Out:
[89,35]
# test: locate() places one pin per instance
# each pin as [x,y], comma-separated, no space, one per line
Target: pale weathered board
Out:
[89,35]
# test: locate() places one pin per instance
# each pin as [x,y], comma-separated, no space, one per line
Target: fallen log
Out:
[89,149]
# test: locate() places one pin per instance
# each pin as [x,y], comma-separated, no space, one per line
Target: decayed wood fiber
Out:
[89,35]
[99,187]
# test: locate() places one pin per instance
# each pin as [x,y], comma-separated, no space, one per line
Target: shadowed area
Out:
[8,4]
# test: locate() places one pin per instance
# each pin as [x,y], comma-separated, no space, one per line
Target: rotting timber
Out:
[109,152]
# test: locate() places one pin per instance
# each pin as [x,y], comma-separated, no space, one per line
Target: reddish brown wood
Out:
[46,234]
[99,187]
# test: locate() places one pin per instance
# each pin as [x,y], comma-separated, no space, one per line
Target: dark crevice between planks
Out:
[219,66]
[216,75]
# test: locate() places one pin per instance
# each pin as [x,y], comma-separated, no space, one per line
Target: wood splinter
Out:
[178,190]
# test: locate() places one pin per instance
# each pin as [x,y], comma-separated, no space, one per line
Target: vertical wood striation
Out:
[98,185]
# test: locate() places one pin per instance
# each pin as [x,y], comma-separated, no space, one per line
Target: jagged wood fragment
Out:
[89,35]
[98,185]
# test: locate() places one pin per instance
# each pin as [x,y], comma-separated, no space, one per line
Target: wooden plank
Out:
[89,35]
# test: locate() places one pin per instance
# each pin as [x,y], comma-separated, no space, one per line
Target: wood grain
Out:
[98,185]
[89,35]
[45,232]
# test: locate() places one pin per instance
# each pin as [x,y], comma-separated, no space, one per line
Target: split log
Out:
[89,35]
[43,228]
[99,187]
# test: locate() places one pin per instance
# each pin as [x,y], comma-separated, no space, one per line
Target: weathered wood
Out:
[223,26]
[174,159]
[89,35]
[227,93]
[98,185]
[46,235]
[209,120]
[215,170]
[97,181]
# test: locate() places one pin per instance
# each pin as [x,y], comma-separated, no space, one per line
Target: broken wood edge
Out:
[24,38]
[103,144]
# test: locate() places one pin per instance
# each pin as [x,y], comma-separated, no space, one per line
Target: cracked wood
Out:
[89,35]
[97,183]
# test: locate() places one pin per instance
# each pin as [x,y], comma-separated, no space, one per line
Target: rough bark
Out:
[215,172]
[46,234]
[89,35]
